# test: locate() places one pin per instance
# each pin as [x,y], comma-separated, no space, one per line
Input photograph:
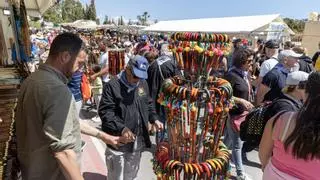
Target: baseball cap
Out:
[236,40]
[127,43]
[144,37]
[290,53]
[140,66]
[296,77]
[272,44]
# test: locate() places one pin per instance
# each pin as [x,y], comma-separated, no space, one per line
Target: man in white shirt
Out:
[272,48]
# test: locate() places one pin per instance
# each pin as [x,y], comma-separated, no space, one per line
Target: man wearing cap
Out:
[125,110]
[292,95]
[271,48]
[273,82]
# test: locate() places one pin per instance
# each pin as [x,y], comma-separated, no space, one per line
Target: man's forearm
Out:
[67,161]
[88,130]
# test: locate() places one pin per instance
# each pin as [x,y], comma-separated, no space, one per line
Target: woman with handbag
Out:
[290,145]
[239,78]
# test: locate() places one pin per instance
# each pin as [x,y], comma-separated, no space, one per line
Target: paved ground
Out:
[93,162]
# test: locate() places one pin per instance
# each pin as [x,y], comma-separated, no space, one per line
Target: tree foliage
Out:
[106,20]
[53,14]
[121,21]
[70,11]
[295,24]
[91,13]
[143,19]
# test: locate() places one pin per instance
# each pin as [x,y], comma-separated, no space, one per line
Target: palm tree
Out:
[144,18]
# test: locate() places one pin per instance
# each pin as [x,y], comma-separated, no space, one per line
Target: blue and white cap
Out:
[140,66]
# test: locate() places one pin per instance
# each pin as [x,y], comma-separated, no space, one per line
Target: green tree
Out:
[143,19]
[106,20]
[121,20]
[91,13]
[53,14]
[71,10]
[297,25]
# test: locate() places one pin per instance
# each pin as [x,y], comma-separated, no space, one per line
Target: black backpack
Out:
[251,130]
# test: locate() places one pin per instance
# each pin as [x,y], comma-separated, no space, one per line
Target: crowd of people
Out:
[281,77]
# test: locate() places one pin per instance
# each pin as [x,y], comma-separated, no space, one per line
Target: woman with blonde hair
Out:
[290,146]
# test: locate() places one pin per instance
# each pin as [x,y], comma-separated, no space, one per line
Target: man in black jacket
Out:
[125,110]
[160,69]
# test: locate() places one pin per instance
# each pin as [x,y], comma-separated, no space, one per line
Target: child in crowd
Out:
[96,90]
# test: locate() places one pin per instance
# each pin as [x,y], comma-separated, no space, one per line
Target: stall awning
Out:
[34,7]
[242,24]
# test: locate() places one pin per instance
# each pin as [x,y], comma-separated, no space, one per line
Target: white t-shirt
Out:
[104,63]
[267,65]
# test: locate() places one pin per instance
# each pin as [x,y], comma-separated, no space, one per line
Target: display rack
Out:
[116,61]
[196,109]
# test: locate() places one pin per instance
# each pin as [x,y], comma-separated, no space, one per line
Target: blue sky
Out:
[185,9]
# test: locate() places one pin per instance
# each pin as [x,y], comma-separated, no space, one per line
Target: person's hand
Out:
[246,104]
[128,135]
[114,141]
[158,125]
[93,77]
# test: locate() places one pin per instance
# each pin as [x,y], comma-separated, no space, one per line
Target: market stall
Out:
[11,77]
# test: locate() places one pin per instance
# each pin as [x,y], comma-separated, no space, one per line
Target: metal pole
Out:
[14,28]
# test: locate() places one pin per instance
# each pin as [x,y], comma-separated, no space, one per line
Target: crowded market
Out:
[201,96]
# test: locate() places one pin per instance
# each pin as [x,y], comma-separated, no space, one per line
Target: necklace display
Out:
[196,109]
[116,61]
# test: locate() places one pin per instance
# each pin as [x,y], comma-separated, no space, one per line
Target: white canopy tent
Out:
[229,25]
[33,7]
[81,24]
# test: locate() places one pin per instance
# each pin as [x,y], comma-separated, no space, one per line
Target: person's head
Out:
[137,69]
[144,38]
[300,50]
[289,58]
[288,45]
[67,54]
[243,58]
[271,48]
[237,43]
[150,56]
[259,42]
[96,68]
[296,83]
[305,138]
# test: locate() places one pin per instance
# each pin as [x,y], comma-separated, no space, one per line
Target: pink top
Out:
[287,163]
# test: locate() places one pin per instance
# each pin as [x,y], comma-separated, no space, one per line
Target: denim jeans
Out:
[236,148]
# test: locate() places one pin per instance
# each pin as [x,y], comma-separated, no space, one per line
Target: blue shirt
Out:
[75,85]
[275,79]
